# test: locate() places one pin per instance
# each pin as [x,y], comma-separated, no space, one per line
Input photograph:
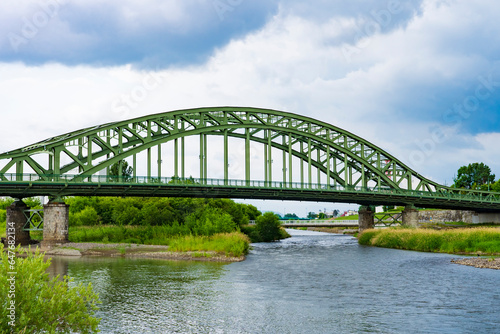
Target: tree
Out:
[496,186]
[268,226]
[312,215]
[252,212]
[290,216]
[43,304]
[125,174]
[474,176]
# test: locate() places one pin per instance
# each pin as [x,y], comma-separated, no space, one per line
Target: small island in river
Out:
[133,250]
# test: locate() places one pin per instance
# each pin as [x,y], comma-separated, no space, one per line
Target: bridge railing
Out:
[459,194]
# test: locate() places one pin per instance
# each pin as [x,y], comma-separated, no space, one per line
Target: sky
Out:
[419,79]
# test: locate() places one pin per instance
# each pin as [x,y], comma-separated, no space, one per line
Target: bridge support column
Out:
[410,216]
[16,219]
[366,218]
[55,223]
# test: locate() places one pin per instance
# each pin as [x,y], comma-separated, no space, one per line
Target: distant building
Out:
[349,213]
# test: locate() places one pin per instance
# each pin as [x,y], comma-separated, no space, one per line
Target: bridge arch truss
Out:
[313,155]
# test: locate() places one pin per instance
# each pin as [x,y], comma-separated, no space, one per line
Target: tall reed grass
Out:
[231,244]
[469,241]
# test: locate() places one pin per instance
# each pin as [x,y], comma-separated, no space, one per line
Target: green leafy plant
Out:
[43,304]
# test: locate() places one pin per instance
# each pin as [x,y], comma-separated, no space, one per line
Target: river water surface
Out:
[310,283]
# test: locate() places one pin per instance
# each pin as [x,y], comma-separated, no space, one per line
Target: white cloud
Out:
[393,92]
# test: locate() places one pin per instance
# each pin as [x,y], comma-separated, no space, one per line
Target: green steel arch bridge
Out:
[257,154]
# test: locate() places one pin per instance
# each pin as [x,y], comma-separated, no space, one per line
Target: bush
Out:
[251,231]
[210,221]
[128,215]
[44,305]
[88,216]
[5,202]
[157,212]
[3,215]
[268,226]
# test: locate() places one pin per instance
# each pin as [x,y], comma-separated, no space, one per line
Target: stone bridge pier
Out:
[366,218]
[367,221]
[410,216]
[16,220]
[55,223]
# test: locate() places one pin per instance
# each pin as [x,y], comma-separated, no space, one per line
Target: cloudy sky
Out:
[420,79]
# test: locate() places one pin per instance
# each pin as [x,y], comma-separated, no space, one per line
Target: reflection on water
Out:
[59,266]
[311,283]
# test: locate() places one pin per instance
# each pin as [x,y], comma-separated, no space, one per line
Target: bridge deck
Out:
[32,185]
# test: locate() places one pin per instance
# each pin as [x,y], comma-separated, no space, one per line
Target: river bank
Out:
[479,241]
[131,250]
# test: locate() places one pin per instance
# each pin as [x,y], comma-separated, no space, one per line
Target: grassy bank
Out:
[231,244]
[482,240]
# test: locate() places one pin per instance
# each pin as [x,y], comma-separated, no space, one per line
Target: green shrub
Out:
[284,234]
[5,202]
[157,212]
[268,227]
[44,305]
[251,232]
[88,217]
[210,221]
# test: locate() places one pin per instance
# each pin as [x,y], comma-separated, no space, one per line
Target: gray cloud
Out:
[149,34]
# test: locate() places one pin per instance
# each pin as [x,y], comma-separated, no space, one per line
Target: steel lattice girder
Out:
[346,159]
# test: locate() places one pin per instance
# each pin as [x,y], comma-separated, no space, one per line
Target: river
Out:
[310,283]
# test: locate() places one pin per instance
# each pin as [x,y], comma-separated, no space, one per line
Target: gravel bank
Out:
[479,262]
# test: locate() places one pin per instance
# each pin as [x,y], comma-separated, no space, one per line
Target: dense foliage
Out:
[42,304]
[202,216]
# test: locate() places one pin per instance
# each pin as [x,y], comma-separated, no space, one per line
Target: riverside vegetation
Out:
[183,224]
[42,304]
[478,240]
